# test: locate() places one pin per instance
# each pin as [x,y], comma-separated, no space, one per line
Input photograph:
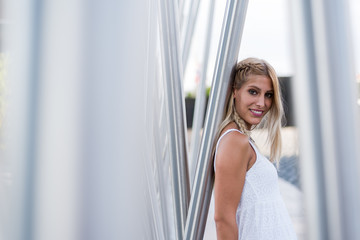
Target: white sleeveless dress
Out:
[261,213]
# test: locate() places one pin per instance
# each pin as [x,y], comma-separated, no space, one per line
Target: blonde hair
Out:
[271,121]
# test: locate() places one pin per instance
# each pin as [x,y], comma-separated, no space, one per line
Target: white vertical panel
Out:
[56,181]
[115,56]
[159,200]
[19,41]
[173,71]
[328,117]
[306,109]
[78,84]
[42,125]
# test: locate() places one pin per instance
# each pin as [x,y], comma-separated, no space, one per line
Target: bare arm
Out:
[231,164]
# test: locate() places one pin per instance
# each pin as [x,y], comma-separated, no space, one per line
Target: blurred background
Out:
[108,111]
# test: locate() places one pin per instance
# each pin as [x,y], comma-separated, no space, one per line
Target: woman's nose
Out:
[260,101]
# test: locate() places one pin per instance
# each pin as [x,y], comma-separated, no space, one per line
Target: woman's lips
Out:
[257,113]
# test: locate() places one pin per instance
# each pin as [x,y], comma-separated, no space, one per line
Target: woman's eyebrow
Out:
[252,86]
[257,88]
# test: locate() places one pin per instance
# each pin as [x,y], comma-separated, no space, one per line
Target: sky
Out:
[267,35]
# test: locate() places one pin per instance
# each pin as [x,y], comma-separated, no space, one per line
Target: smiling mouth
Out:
[257,113]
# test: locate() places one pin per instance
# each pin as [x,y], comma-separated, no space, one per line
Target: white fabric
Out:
[261,213]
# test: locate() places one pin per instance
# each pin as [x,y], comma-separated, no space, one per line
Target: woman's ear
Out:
[234,93]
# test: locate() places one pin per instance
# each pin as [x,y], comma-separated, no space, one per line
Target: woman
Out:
[248,204]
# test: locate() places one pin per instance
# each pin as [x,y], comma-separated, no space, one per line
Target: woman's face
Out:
[253,100]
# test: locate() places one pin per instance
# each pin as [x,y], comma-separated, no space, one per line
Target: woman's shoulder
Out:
[233,148]
[233,144]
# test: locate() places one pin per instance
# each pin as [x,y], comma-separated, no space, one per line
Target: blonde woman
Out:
[248,204]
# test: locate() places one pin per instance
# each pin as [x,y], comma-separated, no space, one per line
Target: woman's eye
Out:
[252,92]
[269,95]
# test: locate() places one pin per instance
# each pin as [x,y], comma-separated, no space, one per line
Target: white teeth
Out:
[256,112]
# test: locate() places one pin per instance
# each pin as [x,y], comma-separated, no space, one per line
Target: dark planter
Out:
[190,107]
[285,85]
